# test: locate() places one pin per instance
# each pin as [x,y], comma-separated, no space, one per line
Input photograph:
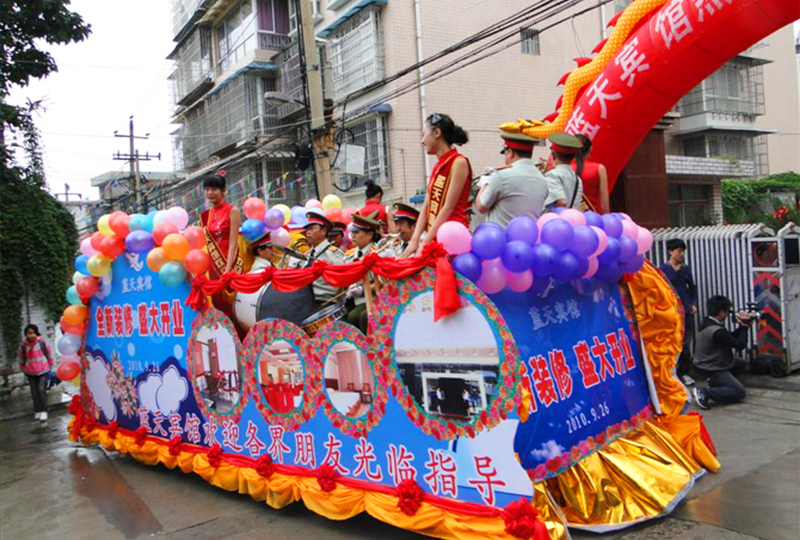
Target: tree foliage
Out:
[38,238]
[746,201]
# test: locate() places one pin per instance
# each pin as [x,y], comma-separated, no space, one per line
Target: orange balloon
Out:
[197,261]
[195,236]
[175,247]
[77,329]
[162,230]
[76,315]
[156,259]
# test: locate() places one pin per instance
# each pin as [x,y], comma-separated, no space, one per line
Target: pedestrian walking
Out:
[35,361]
[680,275]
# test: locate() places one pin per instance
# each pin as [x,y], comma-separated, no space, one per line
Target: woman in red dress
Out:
[221,224]
[447,198]
[594,176]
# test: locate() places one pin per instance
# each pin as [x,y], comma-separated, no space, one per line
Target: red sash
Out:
[217,252]
[439,184]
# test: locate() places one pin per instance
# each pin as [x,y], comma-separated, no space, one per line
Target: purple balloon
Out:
[584,242]
[612,225]
[540,285]
[544,260]
[524,229]
[611,253]
[139,241]
[593,219]
[583,267]
[489,242]
[468,265]
[627,249]
[518,256]
[632,266]
[558,209]
[609,272]
[558,234]
[274,219]
[488,225]
[567,267]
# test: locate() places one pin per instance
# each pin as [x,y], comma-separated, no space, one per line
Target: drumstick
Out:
[368,292]
[334,298]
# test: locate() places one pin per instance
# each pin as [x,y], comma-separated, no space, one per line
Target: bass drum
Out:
[267,303]
[245,307]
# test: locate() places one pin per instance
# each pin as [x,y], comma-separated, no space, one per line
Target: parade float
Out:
[513,382]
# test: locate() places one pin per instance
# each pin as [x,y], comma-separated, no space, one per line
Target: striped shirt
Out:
[32,360]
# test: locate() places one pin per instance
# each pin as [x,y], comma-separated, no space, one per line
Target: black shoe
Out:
[700,398]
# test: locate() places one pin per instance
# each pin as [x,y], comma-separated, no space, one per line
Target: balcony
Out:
[270,41]
[259,47]
[713,167]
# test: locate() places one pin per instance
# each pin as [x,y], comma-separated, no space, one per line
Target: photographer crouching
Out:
[713,355]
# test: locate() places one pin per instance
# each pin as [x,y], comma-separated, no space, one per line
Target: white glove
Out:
[355,291]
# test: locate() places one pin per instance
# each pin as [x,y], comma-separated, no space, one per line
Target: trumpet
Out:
[389,241]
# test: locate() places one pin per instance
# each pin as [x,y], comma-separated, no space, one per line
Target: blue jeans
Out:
[724,387]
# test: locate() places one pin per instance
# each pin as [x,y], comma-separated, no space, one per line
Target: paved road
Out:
[51,488]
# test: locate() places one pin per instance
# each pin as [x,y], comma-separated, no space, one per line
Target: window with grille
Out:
[529,43]
[371,133]
[619,5]
[689,204]
[356,53]
[236,36]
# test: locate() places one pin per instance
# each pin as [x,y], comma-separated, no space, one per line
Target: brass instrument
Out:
[389,241]
[281,256]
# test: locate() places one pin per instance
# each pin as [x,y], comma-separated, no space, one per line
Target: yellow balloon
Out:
[98,265]
[77,380]
[287,212]
[103,226]
[331,201]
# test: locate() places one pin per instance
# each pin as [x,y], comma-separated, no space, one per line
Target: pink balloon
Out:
[593,266]
[455,237]
[70,358]
[573,217]
[255,208]
[519,282]
[601,246]
[644,240]
[178,217]
[493,277]
[313,203]
[629,228]
[86,247]
[281,237]
[625,216]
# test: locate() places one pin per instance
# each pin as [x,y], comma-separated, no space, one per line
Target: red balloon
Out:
[68,371]
[97,238]
[113,217]
[197,261]
[162,230]
[195,236]
[334,214]
[112,246]
[347,215]
[87,286]
[120,224]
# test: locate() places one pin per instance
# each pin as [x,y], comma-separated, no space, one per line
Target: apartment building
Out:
[231,53]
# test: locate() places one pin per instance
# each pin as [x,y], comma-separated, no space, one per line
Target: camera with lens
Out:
[752,312]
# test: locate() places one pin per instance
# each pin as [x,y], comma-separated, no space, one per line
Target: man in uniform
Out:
[518,189]
[336,234]
[261,249]
[405,220]
[566,189]
[366,231]
[317,230]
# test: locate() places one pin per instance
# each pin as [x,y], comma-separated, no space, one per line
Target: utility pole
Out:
[133,159]
[314,97]
[67,193]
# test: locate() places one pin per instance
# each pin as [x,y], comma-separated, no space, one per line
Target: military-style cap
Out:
[405,211]
[263,240]
[337,227]
[316,217]
[564,143]
[517,141]
[366,223]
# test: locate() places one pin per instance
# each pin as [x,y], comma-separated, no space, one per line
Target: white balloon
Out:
[178,217]
[281,238]
[76,277]
[160,216]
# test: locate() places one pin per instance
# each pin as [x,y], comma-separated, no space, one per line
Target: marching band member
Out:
[405,220]
[261,249]
[566,189]
[336,234]
[366,231]
[447,198]
[316,231]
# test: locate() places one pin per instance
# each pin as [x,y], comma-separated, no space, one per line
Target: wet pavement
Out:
[53,488]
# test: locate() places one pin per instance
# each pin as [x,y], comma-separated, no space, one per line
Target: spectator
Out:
[374,194]
[714,358]
[682,281]
[35,361]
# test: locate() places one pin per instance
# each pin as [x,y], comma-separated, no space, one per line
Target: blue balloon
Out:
[518,256]
[73,297]
[584,242]
[558,209]
[137,222]
[567,267]
[252,229]
[524,229]
[558,234]
[488,225]
[593,219]
[139,241]
[611,253]
[148,226]
[489,241]
[609,272]
[612,225]
[632,266]
[80,265]
[172,274]
[627,249]
[544,260]
[468,265]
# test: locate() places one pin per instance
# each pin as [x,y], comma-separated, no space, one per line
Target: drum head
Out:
[292,306]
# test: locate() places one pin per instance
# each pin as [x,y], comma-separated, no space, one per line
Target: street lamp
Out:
[281,98]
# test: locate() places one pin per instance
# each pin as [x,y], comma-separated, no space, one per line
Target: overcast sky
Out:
[118,71]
